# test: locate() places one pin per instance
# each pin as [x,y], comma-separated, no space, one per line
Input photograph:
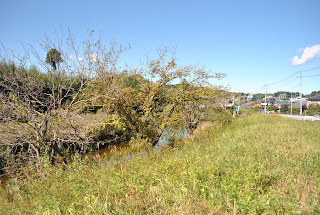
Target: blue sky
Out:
[253,42]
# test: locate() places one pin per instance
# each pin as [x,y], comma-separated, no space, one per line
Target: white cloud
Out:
[300,50]
[74,57]
[308,54]
[94,57]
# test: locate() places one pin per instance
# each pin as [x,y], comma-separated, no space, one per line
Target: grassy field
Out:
[255,165]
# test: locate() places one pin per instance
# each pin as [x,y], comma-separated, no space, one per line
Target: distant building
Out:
[269,101]
[314,100]
[284,96]
[251,97]
[298,99]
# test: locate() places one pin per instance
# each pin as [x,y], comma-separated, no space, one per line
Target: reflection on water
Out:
[108,151]
[112,152]
[166,137]
[171,136]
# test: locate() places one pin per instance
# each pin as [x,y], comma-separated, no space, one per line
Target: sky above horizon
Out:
[255,43]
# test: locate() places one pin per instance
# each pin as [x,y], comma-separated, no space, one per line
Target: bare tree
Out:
[42,97]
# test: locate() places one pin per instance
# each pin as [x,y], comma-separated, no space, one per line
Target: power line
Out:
[306,76]
[293,74]
[288,87]
[289,77]
[284,79]
[307,70]
[255,91]
[311,82]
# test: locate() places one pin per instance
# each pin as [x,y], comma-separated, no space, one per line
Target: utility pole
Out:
[265,100]
[233,106]
[300,93]
[240,101]
[291,103]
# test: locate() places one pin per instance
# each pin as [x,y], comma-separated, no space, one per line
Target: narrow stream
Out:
[101,153]
[111,151]
[107,151]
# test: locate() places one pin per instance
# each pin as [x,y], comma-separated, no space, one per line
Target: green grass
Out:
[255,165]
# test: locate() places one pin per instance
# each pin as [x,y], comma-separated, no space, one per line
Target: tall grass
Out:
[255,165]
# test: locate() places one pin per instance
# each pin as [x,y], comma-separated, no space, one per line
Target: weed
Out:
[255,165]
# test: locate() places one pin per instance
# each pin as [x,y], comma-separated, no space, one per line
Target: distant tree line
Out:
[315,93]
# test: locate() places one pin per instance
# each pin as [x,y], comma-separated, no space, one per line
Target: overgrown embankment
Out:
[258,164]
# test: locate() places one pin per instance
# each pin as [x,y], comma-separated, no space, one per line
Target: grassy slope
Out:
[258,164]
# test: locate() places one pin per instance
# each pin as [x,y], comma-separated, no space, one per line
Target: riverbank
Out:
[256,164]
[107,152]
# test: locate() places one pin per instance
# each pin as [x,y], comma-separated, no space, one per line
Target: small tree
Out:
[294,110]
[285,108]
[272,108]
[155,104]
[313,109]
[53,58]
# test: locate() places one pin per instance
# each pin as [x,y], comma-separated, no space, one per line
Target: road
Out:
[304,118]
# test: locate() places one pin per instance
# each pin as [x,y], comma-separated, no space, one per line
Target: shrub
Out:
[110,131]
[272,108]
[218,115]
[313,109]
[285,108]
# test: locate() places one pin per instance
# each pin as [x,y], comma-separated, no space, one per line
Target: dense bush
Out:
[313,109]
[34,107]
[218,115]
[110,131]
[294,110]
[272,108]
[45,106]
[285,108]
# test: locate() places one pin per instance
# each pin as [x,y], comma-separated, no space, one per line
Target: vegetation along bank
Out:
[256,165]
[73,98]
